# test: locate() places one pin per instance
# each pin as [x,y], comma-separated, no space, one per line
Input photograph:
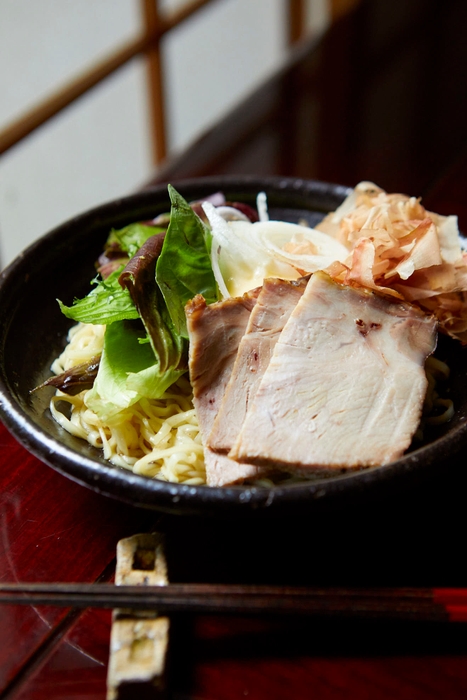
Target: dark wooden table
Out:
[382,97]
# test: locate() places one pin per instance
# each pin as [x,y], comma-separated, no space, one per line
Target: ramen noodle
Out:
[154,437]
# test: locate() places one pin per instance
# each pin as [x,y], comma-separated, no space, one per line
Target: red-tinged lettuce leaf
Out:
[109,301]
[139,278]
[76,379]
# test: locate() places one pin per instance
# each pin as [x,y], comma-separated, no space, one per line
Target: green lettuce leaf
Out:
[184,265]
[127,372]
[105,304]
[108,302]
[131,237]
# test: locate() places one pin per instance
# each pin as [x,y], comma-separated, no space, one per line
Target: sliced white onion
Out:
[243,254]
[215,252]
[231,214]
[262,206]
[272,236]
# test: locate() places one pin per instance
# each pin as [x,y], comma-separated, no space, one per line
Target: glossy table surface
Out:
[380,97]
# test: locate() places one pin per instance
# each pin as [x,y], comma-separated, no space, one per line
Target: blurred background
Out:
[98,99]
[162,96]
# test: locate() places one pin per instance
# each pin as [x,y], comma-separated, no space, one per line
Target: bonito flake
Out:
[399,248]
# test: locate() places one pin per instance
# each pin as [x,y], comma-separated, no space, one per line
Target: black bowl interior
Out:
[33,332]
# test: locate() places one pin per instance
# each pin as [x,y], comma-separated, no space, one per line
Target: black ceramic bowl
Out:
[33,332]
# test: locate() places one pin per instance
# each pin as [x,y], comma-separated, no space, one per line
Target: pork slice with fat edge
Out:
[215,332]
[345,386]
[275,303]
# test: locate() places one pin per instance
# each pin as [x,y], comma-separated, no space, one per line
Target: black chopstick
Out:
[431,604]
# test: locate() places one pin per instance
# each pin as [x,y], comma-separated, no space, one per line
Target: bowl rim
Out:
[142,491]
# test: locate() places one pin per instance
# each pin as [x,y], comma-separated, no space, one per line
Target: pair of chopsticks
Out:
[429,604]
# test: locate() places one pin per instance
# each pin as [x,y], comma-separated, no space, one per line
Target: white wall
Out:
[218,57]
[98,148]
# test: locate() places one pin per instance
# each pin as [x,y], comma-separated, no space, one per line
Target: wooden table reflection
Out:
[382,97]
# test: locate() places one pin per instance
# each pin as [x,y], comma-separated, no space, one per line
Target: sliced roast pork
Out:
[215,332]
[275,303]
[345,385]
